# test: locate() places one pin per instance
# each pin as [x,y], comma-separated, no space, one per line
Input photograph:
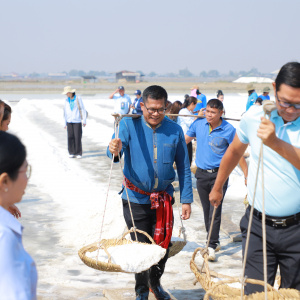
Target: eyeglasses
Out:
[286,104]
[151,111]
[28,171]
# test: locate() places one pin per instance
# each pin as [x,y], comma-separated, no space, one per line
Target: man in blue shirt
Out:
[252,96]
[136,106]
[201,101]
[214,135]
[265,94]
[151,144]
[122,101]
[280,134]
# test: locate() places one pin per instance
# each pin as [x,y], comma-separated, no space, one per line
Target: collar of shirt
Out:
[157,126]
[220,127]
[274,115]
[71,100]
[8,220]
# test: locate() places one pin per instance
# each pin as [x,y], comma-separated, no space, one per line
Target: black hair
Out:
[219,93]
[73,94]
[198,92]
[155,92]
[289,74]
[259,100]
[7,112]
[215,103]
[250,92]
[12,154]
[189,101]
[186,96]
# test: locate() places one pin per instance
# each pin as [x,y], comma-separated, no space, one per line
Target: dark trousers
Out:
[144,219]
[205,183]
[190,151]
[74,138]
[283,250]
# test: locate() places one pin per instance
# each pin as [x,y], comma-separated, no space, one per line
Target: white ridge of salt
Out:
[132,258]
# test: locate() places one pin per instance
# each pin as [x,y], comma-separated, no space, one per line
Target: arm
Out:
[184,176]
[267,133]
[244,166]
[188,139]
[83,111]
[65,114]
[113,93]
[230,159]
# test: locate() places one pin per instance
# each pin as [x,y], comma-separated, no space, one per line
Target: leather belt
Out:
[278,222]
[209,171]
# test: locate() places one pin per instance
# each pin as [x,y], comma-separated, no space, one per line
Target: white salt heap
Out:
[132,258]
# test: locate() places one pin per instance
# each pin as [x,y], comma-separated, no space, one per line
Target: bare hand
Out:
[215,197]
[83,125]
[115,146]
[14,211]
[201,112]
[266,132]
[186,211]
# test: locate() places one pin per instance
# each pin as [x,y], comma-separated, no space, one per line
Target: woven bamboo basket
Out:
[221,290]
[106,243]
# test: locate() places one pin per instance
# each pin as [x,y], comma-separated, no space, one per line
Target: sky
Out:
[163,36]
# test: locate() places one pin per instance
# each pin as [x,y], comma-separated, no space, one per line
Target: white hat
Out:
[68,89]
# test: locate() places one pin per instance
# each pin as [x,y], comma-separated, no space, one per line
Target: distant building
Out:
[129,76]
[90,78]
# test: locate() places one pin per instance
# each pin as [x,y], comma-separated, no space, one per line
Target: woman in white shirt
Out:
[18,278]
[185,122]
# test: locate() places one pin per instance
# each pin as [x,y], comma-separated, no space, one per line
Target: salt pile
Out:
[132,258]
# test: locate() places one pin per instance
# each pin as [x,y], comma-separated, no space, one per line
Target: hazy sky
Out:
[148,35]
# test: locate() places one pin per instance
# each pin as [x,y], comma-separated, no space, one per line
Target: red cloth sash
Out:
[161,201]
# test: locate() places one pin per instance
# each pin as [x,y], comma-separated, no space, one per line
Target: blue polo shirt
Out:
[264,97]
[211,146]
[281,178]
[201,102]
[251,100]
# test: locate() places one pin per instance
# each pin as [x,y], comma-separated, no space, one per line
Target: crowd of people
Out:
[162,141]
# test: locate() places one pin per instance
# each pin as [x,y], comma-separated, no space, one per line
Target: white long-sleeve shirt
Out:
[73,116]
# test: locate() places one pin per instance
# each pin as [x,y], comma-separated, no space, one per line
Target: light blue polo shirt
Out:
[211,146]
[281,178]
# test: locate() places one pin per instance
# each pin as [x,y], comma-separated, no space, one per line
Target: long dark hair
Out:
[188,101]
[12,154]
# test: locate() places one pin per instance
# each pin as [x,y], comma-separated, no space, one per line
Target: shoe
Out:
[78,156]
[211,254]
[71,156]
[160,293]
[142,295]
[218,248]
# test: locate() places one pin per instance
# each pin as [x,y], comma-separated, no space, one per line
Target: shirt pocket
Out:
[168,153]
[218,145]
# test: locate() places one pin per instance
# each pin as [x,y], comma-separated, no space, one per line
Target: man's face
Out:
[138,96]
[153,111]
[121,92]
[213,115]
[289,95]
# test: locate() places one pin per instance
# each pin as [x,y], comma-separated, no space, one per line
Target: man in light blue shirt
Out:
[280,135]
[265,95]
[122,101]
[252,96]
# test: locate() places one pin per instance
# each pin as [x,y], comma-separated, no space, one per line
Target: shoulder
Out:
[227,126]
[171,124]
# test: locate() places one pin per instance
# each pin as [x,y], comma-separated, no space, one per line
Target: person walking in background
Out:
[149,178]
[252,96]
[281,160]
[174,109]
[136,106]
[213,135]
[122,101]
[220,96]
[258,101]
[185,122]
[265,95]
[201,98]
[18,278]
[6,117]
[75,117]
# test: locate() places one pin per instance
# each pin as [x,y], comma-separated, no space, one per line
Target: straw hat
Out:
[250,87]
[266,89]
[68,89]
[195,87]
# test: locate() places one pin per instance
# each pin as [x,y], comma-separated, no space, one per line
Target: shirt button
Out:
[155,161]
